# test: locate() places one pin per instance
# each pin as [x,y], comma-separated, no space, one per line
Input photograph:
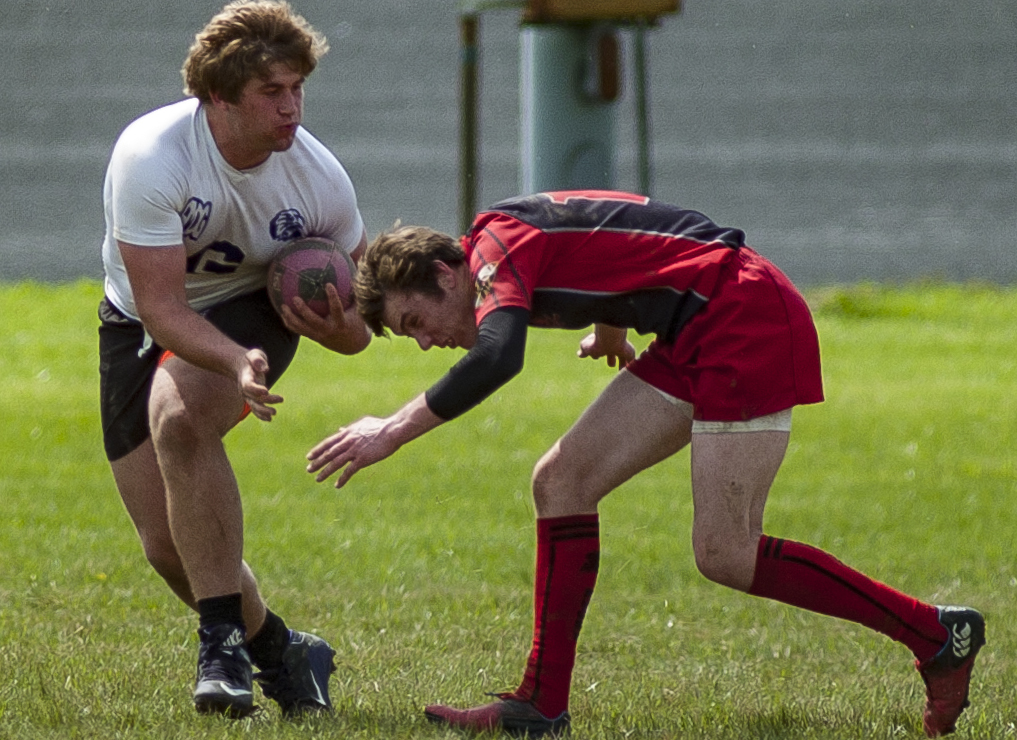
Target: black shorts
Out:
[127,365]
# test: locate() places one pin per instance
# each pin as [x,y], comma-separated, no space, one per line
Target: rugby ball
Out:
[304,267]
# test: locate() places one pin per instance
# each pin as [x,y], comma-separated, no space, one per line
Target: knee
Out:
[720,560]
[546,483]
[173,425]
[559,488]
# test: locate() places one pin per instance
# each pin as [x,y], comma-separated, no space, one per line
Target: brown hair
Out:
[242,42]
[402,260]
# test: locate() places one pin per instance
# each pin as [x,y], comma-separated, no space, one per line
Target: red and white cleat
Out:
[517,718]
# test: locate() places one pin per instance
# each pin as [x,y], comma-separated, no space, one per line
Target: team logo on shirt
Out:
[483,282]
[287,225]
[195,217]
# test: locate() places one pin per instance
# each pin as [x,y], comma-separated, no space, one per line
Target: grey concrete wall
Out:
[851,141]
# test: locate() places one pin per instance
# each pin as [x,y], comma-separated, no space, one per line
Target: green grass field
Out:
[419,572]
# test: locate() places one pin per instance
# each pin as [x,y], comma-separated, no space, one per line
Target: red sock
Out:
[809,578]
[568,556]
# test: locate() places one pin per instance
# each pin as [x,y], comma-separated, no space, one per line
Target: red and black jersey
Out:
[576,258]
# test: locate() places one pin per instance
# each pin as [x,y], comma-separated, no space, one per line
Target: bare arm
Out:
[157,280]
[495,358]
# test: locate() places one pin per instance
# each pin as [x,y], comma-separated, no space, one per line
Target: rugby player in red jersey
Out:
[735,349]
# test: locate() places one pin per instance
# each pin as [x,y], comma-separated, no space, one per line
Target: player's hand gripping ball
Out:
[304,267]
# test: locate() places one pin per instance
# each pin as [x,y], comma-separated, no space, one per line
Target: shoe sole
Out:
[226,709]
[513,728]
[218,702]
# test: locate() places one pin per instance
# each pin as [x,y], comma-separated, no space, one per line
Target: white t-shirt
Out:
[167,184]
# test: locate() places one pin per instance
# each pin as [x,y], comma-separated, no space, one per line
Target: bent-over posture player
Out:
[735,350]
[199,196]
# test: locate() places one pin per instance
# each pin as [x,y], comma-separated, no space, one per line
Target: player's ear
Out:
[446,276]
[216,100]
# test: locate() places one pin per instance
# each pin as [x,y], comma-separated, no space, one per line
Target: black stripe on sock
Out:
[850,587]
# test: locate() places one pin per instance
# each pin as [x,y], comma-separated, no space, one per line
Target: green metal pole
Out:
[468,102]
[568,132]
[642,111]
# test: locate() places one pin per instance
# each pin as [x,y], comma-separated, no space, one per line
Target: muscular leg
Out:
[731,477]
[140,482]
[627,429]
[188,411]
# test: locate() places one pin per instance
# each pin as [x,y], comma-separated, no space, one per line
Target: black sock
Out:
[218,610]
[267,647]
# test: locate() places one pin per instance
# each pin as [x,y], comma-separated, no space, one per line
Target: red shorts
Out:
[751,351]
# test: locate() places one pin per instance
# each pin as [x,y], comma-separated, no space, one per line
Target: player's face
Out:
[265,118]
[446,321]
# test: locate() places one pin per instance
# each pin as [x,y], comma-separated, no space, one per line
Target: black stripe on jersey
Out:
[506,261]
[662,310]
[577,213]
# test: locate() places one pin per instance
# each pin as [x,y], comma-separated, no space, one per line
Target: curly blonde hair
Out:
[242,42]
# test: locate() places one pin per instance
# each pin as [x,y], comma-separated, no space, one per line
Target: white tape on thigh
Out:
[779,422]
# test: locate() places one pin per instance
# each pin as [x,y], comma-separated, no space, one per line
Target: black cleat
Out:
[300,683]
[947,674]
[223,685]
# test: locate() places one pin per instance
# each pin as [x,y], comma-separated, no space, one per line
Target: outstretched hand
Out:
[370,440]
[251,379]
[352,448]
